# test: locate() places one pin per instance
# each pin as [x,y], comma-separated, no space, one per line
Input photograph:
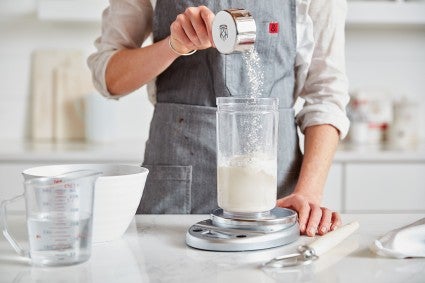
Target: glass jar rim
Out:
[248,100]
[247,103]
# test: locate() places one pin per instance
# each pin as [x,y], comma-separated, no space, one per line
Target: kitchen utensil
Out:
[307,254]
[233,30]
[117,195]
[370,112]
[247,155]
[59,218]
[229,233]
[72,83]
[246,181]
[47,80]
[403,132]
[98,110]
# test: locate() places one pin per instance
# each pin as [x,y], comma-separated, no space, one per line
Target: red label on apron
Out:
[273,27]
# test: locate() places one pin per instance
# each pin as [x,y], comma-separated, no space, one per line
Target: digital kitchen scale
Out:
[244,232]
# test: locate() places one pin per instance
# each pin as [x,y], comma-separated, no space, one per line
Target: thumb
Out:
[284,202]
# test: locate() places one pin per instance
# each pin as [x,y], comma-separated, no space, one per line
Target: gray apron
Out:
[181,149]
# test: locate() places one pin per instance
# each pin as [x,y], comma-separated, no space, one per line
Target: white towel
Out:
[407,241]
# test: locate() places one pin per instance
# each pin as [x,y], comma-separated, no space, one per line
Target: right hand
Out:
[313,218]
[192,30]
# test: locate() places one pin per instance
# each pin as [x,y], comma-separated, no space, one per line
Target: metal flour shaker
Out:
[233,30]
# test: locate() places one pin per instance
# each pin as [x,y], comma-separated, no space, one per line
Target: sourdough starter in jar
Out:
[247,184]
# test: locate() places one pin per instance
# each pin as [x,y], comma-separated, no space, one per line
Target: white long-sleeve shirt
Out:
[319,66]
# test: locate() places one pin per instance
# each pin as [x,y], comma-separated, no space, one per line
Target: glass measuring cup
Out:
[59,218]
[247,155]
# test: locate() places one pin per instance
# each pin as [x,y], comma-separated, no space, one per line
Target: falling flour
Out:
[255,73]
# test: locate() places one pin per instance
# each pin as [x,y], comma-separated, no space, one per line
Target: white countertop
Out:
[153,250]
[132,151]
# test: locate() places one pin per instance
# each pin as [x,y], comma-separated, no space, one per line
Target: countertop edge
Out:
[133,151]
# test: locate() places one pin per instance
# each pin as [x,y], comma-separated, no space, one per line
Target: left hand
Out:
[313,218]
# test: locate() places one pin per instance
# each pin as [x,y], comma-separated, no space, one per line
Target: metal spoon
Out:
[307,254]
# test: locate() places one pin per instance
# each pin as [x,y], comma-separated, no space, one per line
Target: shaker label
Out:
[273,27]
[223,32]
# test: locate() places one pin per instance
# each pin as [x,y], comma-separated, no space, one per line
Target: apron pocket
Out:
[167,190]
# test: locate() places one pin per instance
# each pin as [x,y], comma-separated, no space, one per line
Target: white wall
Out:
[392,58]
[20,33]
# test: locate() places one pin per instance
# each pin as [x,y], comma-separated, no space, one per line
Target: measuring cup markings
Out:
[59,218]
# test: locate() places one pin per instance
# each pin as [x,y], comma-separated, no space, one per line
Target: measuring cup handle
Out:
[6,234]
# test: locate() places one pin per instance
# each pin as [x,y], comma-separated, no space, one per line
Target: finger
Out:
[284,202]
[208,17]
[188,29]
[198,24]
[178,34]
[300,205]
[303,213]
[314,220]
[336,221]
[325,223]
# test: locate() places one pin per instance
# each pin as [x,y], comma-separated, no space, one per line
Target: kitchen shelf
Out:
[359,12]
[385,13]
[71,10]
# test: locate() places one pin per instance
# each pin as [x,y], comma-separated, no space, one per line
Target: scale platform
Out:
[233,232]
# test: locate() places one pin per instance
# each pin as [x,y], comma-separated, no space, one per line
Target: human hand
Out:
[192,30]
[313,218]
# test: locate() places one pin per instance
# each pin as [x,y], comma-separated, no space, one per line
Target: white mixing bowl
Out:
[117,194]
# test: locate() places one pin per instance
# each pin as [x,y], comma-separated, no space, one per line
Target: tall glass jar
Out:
[247,154]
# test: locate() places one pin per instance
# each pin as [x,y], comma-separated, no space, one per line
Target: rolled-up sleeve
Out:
[125,24]
[325,90]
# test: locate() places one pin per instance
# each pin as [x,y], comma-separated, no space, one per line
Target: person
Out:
[303,56]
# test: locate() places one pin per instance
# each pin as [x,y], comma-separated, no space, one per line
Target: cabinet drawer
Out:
[385,187]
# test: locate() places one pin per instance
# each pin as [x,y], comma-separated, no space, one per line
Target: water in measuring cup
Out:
[57,239]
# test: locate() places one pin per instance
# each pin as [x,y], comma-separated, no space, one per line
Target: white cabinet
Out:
[381,187]
[372,180]
[332,197]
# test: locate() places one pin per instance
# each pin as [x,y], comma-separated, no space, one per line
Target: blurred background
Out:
[50,112]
